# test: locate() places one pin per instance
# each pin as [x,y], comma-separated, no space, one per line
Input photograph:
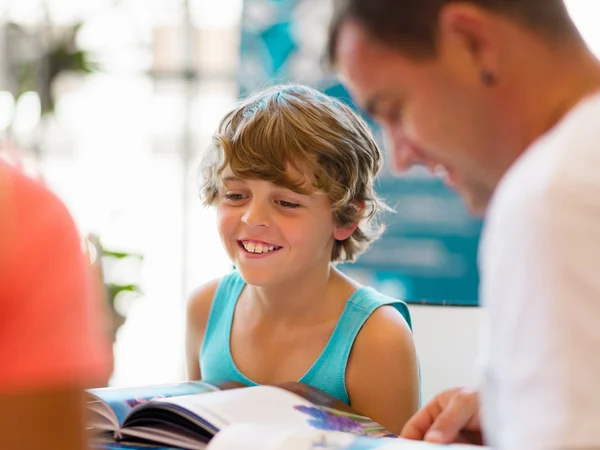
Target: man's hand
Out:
[451,417]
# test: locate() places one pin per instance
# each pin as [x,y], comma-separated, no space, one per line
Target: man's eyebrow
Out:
[372,104]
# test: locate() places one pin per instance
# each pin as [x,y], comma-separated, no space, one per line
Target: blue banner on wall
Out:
[429,250]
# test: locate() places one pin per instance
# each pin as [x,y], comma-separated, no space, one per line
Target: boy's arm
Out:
[382,376]
[197,312]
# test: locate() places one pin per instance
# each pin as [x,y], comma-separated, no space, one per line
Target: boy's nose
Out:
[256,215]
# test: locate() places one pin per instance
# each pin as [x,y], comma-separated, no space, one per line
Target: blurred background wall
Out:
[111,101]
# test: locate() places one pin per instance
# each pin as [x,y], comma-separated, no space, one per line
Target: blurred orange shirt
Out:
[51,326]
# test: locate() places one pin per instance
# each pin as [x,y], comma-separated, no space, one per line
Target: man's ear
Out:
[469,40]
[341,233]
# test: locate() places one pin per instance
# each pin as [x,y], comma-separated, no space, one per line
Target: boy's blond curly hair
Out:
[293,125]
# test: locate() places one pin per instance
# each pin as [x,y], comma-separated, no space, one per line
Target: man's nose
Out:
[401,150]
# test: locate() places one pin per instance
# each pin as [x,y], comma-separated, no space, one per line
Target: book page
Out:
[337,411]
[255,437]
[122,400]
[268,405]
[257,404]
[100,416]
[165,436]
[202,416]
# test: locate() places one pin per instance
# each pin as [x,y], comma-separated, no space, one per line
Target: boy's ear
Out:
[341,233]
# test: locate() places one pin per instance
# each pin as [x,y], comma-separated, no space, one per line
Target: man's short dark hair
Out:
[411,25]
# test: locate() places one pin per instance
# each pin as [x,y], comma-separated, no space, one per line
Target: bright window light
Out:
[7,109]
[27,112]
[216,14]
[585,14]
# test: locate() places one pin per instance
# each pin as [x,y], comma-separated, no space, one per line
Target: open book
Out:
[189,415]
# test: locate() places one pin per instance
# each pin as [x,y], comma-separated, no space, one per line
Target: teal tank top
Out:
[327,373]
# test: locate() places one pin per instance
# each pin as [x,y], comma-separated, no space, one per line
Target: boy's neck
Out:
[306,300]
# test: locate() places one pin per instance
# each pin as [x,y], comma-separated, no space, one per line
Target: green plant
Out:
[59,54]
[110,266]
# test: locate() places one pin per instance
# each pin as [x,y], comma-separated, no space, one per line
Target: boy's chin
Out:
[258,278]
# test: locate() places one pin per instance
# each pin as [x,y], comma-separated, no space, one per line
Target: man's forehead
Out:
[360,62]
[354,45]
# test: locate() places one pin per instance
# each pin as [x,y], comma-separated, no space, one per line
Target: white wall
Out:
[447,341]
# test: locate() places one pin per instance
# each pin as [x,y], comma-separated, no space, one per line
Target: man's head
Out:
[452,82]
[302,140]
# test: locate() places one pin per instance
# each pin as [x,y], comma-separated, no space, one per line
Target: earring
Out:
[488,78]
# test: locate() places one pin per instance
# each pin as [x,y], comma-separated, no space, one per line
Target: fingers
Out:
[460,413]
[419,424]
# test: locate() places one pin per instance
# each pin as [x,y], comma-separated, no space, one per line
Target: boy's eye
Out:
[234,197]
[288,204]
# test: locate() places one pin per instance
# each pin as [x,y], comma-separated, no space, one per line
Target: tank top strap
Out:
[330,368]
[215,357]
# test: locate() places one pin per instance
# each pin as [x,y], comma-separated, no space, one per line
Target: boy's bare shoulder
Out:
[386,333]
[382,378]
[200,302]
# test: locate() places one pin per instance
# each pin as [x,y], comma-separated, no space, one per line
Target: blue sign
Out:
[428,253]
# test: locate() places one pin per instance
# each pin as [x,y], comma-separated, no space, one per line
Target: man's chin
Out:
[476,205]
[475,199]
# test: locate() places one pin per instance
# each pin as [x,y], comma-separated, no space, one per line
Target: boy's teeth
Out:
[258,247]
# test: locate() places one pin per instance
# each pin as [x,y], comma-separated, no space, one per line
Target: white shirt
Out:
[540,272]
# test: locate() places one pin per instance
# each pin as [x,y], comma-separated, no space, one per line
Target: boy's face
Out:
[274,235]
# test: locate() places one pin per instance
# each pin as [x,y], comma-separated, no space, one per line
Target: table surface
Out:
[123,447]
